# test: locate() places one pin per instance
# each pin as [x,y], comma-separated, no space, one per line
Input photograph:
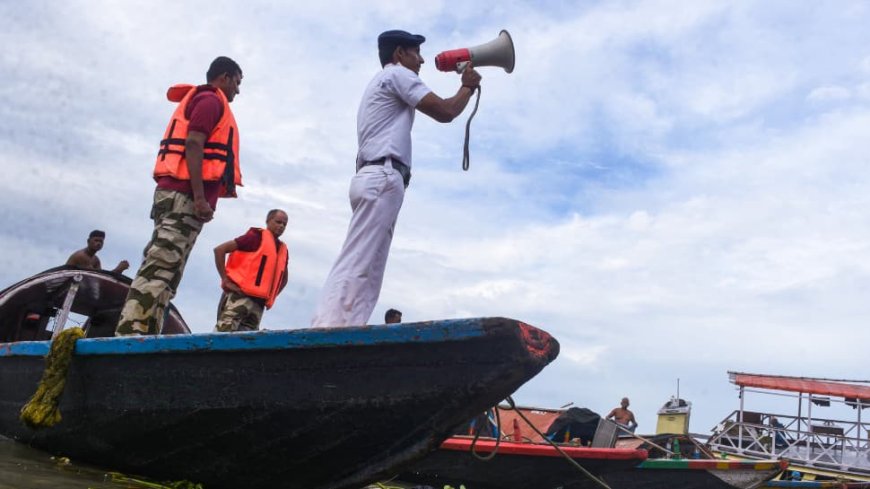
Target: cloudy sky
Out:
[672,189]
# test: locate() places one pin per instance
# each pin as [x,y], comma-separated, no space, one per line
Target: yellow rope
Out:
[41,411]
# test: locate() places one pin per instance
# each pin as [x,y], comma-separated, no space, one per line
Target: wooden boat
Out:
[679,458]
[691,465]
[819,446]
[696,474]
[517,465]
[621,463]
[320,408]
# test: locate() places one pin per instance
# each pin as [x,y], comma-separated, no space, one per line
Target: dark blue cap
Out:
[399,38]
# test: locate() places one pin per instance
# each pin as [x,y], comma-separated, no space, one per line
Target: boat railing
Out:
[40,307]
[821,443]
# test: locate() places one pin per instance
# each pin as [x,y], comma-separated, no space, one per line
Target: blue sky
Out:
[672,189]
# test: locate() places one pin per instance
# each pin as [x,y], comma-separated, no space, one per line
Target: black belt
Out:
[397,165]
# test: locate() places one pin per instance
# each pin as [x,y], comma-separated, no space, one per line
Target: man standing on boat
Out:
[254,274]
[383,171]
[87,257]
[623,416]
[197,163]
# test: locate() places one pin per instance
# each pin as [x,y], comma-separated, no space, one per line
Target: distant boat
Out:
[693,467]
[820,448]
[522,465]
[534,463]
[681,459]
[319,408]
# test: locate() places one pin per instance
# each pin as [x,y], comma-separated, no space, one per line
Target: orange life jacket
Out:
[259,273]
[220,159]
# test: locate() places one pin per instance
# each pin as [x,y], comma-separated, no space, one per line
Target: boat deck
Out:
[823,444]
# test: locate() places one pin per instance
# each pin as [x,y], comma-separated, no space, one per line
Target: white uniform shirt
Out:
[386,114]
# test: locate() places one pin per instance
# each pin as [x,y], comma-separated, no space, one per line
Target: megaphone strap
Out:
[466,158]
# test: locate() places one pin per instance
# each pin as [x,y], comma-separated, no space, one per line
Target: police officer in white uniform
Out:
[383,164]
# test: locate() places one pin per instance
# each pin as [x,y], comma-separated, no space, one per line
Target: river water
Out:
[22,467]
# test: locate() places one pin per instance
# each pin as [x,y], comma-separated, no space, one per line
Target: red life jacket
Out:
[221,151]
[259,273]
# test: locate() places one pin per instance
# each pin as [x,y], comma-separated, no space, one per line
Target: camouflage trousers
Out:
[238,312]
[175,231]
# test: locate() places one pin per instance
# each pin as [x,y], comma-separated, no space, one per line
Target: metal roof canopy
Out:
[803,384]
[806,432]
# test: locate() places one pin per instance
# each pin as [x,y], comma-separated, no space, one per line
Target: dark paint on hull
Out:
[335,408]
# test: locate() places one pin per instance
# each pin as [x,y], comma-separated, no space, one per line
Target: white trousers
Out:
[354,283]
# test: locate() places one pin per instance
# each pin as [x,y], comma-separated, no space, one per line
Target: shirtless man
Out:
[87,257]
[623,416]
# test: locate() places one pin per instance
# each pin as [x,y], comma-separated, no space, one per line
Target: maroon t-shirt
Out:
[204,111]
[250,241]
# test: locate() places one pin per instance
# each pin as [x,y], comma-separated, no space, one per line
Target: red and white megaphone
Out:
[498,52]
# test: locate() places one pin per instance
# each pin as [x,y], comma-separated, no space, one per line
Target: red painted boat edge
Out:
[543,450]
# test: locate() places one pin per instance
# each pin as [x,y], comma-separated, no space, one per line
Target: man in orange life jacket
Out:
[254,275]
[197,163]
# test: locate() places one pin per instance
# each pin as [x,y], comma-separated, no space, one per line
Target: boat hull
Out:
[517,465]
[322,408]
[695,474]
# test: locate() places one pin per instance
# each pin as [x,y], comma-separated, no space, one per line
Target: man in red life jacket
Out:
[197,163]
[254,274]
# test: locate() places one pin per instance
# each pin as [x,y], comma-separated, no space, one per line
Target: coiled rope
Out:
[42,411]
[489,457]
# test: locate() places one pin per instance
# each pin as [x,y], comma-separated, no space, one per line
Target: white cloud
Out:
[584,356]
[863,91]
[829,94]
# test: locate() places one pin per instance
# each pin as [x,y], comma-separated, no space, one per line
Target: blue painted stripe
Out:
[428,332]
